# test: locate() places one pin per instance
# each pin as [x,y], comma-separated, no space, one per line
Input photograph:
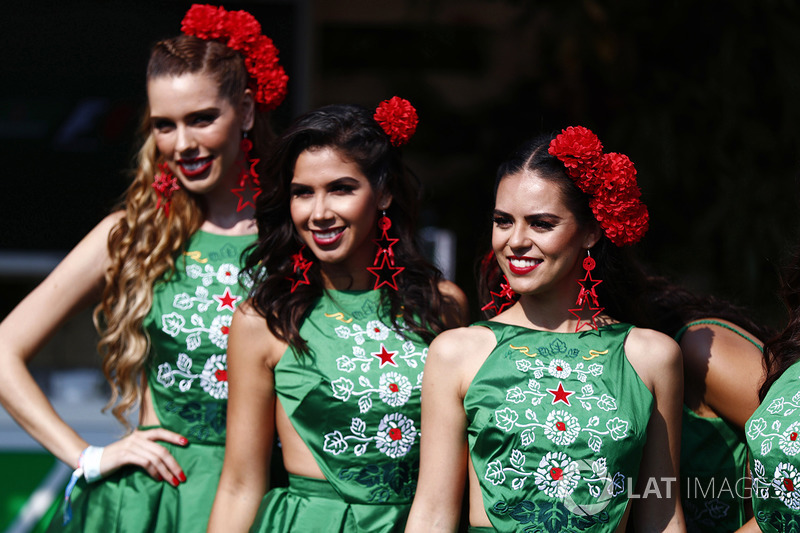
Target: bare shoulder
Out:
[462,343]
[250,333]
[728,343]
[653,355]
[455,302]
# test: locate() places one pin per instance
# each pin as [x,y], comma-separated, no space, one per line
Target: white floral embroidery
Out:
[561,428]
[377,330]
[218,332]
[790,440]
[557,475]
[396,435]
[395,389]
[559,368]
[785,483]
[228,274]
[214,378]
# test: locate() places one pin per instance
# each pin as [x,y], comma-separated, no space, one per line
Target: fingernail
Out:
[183,477]
[158,477]
[184,441]
[174,481]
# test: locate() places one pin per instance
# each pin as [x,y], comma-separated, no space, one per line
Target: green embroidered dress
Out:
[556,427]
[187,376]
[773,437]
[713,465]
[355,402]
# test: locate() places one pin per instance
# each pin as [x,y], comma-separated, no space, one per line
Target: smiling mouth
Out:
[327,237]
[194,167]
[522,265]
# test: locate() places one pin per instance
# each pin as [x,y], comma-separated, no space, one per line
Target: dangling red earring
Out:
[300,266]
[587,298]
[383,267]
[249,184]
[165,183]
[500,300]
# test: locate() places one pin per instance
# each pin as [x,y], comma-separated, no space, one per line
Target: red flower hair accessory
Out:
[240,31]
[398,118]
[610,179]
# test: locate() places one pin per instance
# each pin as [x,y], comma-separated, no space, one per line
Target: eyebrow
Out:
[205,111]
[532,217]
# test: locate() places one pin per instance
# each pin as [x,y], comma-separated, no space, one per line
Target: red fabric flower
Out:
[609,178]
[240,31]
[398,118]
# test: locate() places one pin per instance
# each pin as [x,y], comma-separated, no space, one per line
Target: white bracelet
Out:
[90,462]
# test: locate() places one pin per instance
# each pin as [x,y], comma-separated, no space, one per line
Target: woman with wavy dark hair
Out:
[165,270]
[330,348]
[773,431]
[558,408]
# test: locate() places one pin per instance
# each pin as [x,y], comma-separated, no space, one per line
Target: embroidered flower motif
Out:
[557,475]
[559,369]
[377,330]
[494,473]
[165,375]
[756,428]
[396,435]
[228,274]
[218,332]
[790,441]
[395,389]
[562,428]
[785,483]
[345,364]
[214,378]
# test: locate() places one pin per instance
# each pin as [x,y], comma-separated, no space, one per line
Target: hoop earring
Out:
[383,267]
[249,185]
[300,266]
[165,183]
[587,298]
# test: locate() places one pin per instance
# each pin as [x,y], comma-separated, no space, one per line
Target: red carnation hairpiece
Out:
[398,118]
[610,179]
[240,31]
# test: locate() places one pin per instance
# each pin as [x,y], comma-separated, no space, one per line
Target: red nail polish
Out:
[183,477]
[184,441]
[174,481]
[158,477]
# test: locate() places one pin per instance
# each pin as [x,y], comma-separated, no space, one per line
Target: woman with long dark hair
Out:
[165,269]
[330,348]
[558,410]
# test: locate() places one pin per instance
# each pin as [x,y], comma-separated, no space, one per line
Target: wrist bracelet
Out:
[90,462]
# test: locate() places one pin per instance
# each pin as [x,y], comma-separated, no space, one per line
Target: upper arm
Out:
[251,422]
[456,306]
[73,285]
[725,368]
[443,456]
[657,359]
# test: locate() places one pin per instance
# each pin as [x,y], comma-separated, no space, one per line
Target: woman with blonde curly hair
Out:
[165,270]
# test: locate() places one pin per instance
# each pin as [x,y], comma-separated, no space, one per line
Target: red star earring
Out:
[165,183]
[249,184]
[300,266]
[383,267]
[587,298]
[501,300]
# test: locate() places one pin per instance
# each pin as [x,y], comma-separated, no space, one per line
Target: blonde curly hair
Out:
[145,242]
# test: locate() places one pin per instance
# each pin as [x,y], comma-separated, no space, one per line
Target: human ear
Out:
[247,109]
[592,236]
[384,201]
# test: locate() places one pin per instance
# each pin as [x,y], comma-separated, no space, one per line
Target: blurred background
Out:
[702,96]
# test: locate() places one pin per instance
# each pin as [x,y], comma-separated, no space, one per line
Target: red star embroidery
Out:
[247,194]
[560,395]
[586,309]
[226,300]
[386,273]
[385,356]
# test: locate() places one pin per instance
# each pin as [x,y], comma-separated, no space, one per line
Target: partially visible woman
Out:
[773,431]
[723,368]
[331,347]
[558,410]
[165,269]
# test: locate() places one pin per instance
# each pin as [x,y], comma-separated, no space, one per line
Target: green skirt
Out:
[312,505]
[130,501]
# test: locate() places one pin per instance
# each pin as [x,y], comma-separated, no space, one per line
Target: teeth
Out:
[327,234]
[193,165]
[524,263]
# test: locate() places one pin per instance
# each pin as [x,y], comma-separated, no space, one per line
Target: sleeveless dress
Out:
[556,427]
[773,437]
[187,376]
[355,402]
[713,465]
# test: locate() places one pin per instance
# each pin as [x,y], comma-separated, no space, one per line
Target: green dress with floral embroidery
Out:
[773,437]
[556,428]
[187,377]
[355,402]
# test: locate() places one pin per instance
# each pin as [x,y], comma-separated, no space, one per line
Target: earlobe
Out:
[248,108]
[384,202]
